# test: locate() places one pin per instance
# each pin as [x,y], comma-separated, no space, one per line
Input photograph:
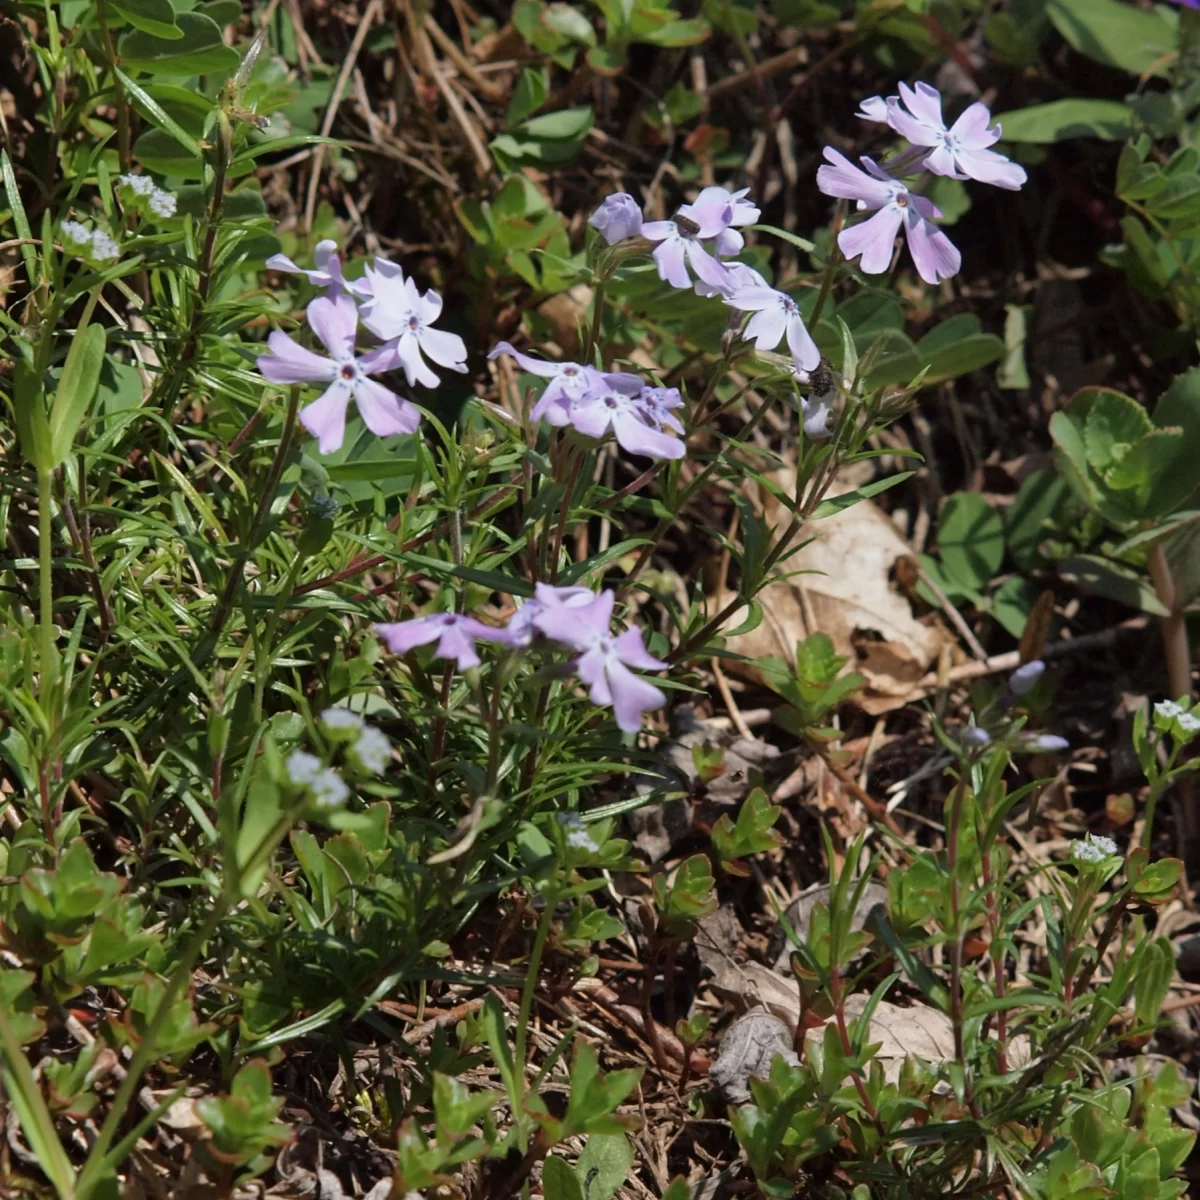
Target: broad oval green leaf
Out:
[1108,120]
[1116,34]
[155,17]
[200,51]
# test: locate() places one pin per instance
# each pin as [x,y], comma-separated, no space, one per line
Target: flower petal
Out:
[669,258]
[446,349]
[633,653]
[289,362]
[636,437]
[631,696]
[535,366]
[325,417]
[804,349]
[335,322]
[841,178]
[414,365]
[873,239]
[383,412]
[403,636]
[971,129]
[935,255]
[766,328]
[457,644]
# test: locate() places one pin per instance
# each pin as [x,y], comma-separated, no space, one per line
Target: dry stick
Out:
[956,618]
[1173,625]
[483,161]
[373,13]
[491,90]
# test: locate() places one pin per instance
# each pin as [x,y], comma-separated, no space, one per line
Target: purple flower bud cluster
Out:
[572,617]
[392,308]
[960,151]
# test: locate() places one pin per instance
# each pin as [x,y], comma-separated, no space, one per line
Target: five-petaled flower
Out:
[335,322]
[963,150]
[402,319]
[935,256]
[604,661]
[776,315]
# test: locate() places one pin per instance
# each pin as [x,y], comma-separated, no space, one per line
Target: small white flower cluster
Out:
[96,245]
[578,837]
[326,787]
[141,191]
[370,746]
[1093,849]
[1186,721]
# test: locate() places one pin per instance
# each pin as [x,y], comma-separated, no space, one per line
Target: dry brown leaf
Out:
[848,596]
[749,984]
[917,1032]
[750,1045]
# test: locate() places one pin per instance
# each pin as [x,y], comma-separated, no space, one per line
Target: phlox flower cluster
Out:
[888,191]
[688,252]
[596,403]
[571,617]
[390,306]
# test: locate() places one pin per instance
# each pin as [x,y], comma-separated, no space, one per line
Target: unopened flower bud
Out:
[1024,679]
[618,218]
[976,737]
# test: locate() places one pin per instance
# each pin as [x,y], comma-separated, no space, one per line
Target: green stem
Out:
[1158,785]
[221,612]
[597,313]
[831,266]
[263,660]
[122,103]
[47,660]
[550,899]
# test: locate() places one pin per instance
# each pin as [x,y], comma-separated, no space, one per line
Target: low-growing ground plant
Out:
[337,646]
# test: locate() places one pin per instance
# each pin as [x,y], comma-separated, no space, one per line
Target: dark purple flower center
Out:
[901,199]
[570,372]
[450,619]
[789,305]
[610,401]
[349,371]
[414,322]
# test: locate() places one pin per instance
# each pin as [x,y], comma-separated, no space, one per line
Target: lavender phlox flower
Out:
[935,256]
[335,322]
[569,381]
[873,108]
[680,239]
[1024,679]
[961,151]
[618,217]
[776,316]
[604,661]
[606,408]
[455,636]
[1093,849]
[326,272]
[402,319]
[522,625]
[656,405]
